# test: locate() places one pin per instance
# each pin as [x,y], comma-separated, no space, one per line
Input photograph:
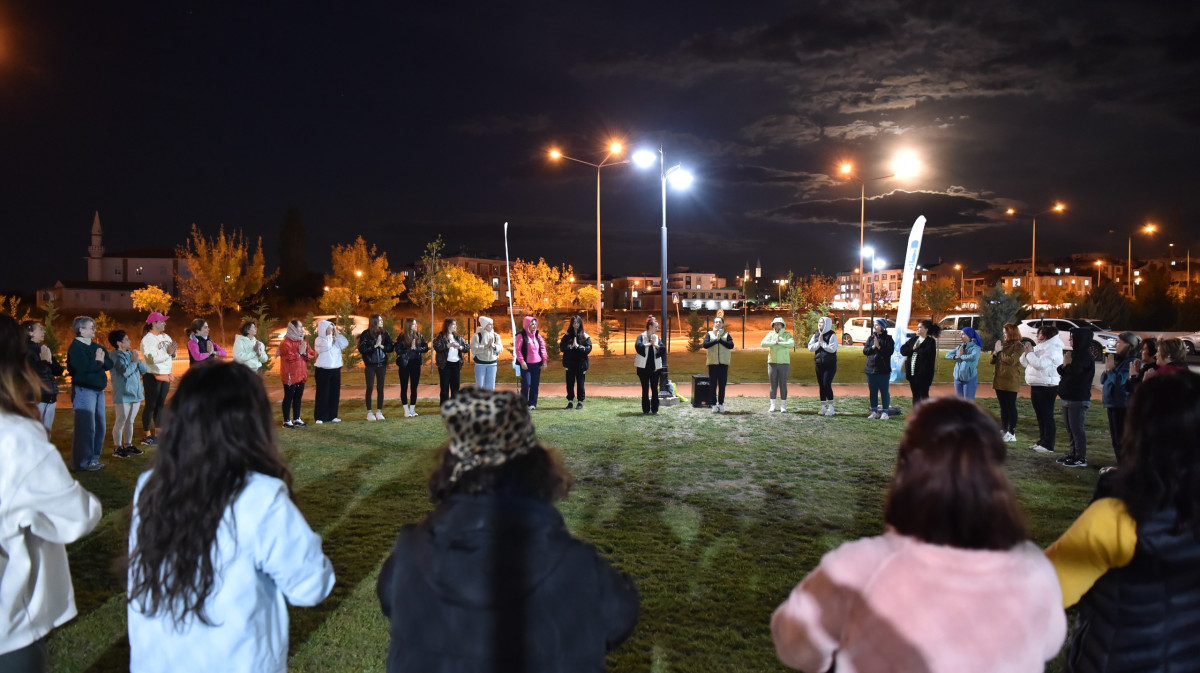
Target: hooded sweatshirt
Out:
[779,346]
[494,578]
[1041,364]
[529,347]
[486,346]
[1075,379]
[824,343]
[329,348]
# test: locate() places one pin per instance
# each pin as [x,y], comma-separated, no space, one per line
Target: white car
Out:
[1192,341]
[360,324]
[858,329]
[1103,341]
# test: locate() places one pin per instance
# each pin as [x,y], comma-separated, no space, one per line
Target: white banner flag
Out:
[904,310]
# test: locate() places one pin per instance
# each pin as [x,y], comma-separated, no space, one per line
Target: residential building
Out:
[854,288]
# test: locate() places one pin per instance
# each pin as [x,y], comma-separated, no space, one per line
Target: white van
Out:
[953,325]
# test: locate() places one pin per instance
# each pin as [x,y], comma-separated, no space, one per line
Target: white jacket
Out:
[268,559]
[42,509]
[158,350]
[245,351]
[329,349]
[1041,365]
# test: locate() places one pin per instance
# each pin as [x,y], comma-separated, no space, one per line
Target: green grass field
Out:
[716,516]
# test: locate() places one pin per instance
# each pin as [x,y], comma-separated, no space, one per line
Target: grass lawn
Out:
[716,516]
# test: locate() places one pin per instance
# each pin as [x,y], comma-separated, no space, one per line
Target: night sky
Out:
[400,121]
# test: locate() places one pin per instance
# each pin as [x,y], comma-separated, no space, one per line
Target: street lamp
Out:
[679,178]
[1149,230]
[1099,266]
[779,284]
[869,251]
[962,283]
[1058,208]
[614,150]
[904,165]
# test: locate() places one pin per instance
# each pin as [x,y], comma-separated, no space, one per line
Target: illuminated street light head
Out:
[1150,228]
[1058,207]
[906,164]
[880,263]
[680,178]
[615,148]
[645,158]
[555,154]
[847,168]
[868,251]
[1010,211]
[358,273]
[957,267]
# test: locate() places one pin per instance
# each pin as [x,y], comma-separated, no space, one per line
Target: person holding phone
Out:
[719,345]
[648,363]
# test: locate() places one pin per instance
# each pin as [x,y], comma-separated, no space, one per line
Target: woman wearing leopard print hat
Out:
[495,558]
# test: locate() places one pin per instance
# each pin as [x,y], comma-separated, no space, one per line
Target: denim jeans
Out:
[89,426]
[531,379]
[46,412]
[1075,415]
[877,384]
[966,389]
[485,376]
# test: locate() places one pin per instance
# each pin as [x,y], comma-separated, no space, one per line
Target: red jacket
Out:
[293,367]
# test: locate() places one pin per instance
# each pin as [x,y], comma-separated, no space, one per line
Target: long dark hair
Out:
[375,326]
[19,384]
[446,327]
[571,331]
[950,487]
[219,427]
[932,328]
[539,474]
[410,333]
[1161,457]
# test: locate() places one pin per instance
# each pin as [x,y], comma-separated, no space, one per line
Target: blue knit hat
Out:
[880,322]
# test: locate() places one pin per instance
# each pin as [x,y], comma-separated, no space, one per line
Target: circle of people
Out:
[495,557]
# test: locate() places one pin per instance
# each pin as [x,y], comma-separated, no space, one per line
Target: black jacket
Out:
[496,583]
[575,358]
[441,349]
[1146,615]
[926,357]
[879,349]
[1075,379]
[85,370]
[373,355]
[408,354]
[46,371]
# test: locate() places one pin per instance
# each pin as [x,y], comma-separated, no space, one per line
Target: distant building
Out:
[111,278]
[694,289]
[854,289]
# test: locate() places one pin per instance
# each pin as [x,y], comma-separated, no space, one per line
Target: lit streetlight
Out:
[1099,266]
[1058,208]
[779,289]
[1148,229]
[869,251]
[904,165]
[680,179]
[962,283]
[614,150]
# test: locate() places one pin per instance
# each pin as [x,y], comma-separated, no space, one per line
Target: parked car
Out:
[1192,341]
[952,327]
[360,324]
[858,329]
[1103,340]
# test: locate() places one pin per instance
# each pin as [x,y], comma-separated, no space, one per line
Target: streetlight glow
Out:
[644,158]
[615,148]
[680,178]
[1150,228]
[868,251]
[906,165]
[847,168]
[555,154]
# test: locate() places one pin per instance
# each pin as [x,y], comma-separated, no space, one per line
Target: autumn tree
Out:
[223,273]
[11,306]
[539,287]
[807,299]
[362,278]
[424,288]
[937,296]
[151,298]
[588,295]
[460,291]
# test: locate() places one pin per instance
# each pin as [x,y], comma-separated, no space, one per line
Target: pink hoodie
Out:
[537,345]
[894,603]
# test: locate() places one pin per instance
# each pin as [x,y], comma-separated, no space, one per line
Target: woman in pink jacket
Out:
[953,584]
[529,349]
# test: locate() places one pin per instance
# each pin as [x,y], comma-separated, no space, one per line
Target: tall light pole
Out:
[779,285]
[870,252]
[904,165]
[1099,266]
[679,179]
[614,150]
[1148,229]
[962,283]
[1058,208]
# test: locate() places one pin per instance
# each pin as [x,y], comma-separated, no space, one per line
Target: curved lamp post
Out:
[1058,208]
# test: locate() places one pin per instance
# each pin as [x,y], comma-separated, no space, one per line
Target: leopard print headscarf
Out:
[487,429]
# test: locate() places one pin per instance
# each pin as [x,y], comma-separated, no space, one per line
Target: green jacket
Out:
[779,347]
[1009,373]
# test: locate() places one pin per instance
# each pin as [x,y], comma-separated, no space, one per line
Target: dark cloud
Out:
[944,212]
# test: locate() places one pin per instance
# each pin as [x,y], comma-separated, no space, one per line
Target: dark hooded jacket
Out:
[879,349]
[47,372]
[575,358]
[494,582]
[1075,378]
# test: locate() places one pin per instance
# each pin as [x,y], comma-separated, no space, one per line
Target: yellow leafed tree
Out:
[151,298]
[361,277]
[539,287]
[460,291]
[223,273]
[588,297]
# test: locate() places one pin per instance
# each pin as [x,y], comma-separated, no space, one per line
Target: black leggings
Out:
[156,395]
[649,379]
[1116,428]
[329,393]
[718,375]
[292,395]
[825,372]
[1043,407]
[449,376]
[920,389]
[410,375]
[575,379]
[1008,410]
[375,374]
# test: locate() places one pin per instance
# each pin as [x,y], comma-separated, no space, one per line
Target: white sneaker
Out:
[413,408]
[772,407]
[1007,437]
[873,415]
[716,408]
[379,415]
[1041,449]
[783,407]
[336,420]
[883,416]
[320,422]
[370,415]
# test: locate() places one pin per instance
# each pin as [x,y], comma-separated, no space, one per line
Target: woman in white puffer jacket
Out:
[1041,373]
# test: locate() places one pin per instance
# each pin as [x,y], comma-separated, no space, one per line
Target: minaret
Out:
[757,265]
[96,252]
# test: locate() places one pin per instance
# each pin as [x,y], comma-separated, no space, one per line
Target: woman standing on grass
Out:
[1041,373]
[956,537]
[575,346]
[87,363]
[42,509]
[492,579]
[1076,374]
[824,344]
[127,369]
[200,347]
[158,350]
[529,349]
[919,353]
[448,348]
[1007,376]
[879,349]
[294,356]
[329,345]
[719,345]
[648,362]
[966,364]
[485,351]
[217,546]
[48,370]
[411,348]
[1112,385]
[1131,562]
[248,350]
[779,344]
[374,344]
